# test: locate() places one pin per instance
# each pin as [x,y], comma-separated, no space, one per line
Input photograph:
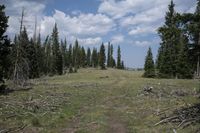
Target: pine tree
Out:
[40,52]
[59,65]
[57,56]
[33,60]
[119,58]
[94,58]
[70,63]
[169,33]
[112,60]
[149,65]
[88,57]
[75,57]
[122,65]
[64,53]
[83,57]
[4,46]
[184,69]
[102,57]
[109,56]
[194,30]
[48,56]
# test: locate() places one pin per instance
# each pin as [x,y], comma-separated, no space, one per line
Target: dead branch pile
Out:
[182,117]
[164,92]
[33,106]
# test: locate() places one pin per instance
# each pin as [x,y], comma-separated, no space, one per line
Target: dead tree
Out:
[21,66]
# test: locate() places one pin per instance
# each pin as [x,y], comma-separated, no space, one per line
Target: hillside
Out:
[97,101]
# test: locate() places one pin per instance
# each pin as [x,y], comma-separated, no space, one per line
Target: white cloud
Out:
[142,30]
[141,43]
[145,43]
[146,17]
[84,24]
[32,9]
[120,8]
[135,17]
[90,41]
[117,39]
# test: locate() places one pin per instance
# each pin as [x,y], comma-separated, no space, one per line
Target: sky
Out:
[132,24]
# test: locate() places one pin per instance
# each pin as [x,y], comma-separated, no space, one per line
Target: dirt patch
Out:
[85,85]
[116,126]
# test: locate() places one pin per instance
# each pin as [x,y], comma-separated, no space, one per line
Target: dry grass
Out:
[96,101]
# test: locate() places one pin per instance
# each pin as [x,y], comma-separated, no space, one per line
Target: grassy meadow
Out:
[97,101]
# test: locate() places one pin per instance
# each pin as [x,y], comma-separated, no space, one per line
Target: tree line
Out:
[178,55]
[27,58]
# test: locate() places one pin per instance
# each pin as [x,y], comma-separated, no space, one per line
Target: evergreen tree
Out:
[64,53]
[109,56]
[40,52]
[75,57]
[184,69]
[33,60]
[70,63]
[4,46]
[94,57]
[88,57]
[169,33]
[48,56]
[112,60]
[122,65]
[57,64]
[149,65]
[83,57]
[119,58]
[194,29]
[102,57]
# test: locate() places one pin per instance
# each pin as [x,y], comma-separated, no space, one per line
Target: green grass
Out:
[95,101]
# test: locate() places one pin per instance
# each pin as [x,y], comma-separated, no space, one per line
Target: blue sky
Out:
[132,24]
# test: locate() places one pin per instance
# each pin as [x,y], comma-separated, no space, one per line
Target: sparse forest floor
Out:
[99,101]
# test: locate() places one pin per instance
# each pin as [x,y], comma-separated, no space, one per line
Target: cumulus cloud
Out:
[117,39]
[133,17]
[14,9]
[136,16]
[90,41]
[83,24]
[118,9]
[142,30]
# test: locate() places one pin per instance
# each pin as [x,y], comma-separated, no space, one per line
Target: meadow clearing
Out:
[98,101]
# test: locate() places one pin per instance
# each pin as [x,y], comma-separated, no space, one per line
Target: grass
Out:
[95,101]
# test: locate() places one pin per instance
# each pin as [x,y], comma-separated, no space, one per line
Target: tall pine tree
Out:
[119,58]
[4,46]
[57,67]
[102,57]
[167,54]
[94,58]
[88,57]
[109,55]
[184,67]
